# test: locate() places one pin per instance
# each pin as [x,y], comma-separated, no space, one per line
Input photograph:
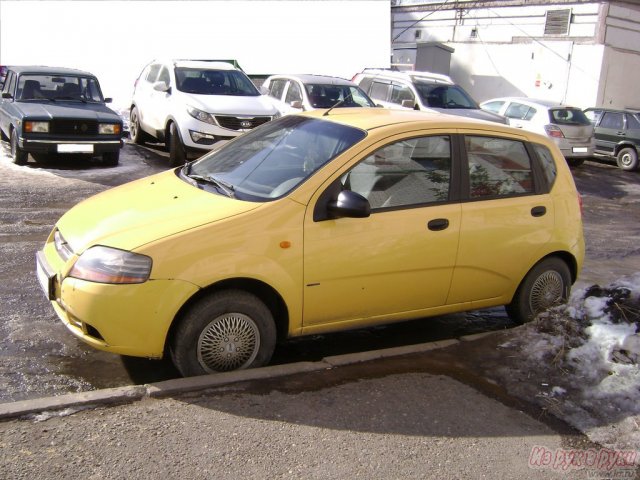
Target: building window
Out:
[557,22]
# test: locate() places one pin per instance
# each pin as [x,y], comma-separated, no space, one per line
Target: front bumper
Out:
[63,146]
[124,319]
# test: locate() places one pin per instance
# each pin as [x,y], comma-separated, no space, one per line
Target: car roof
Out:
[202,64]
[409,75]
[307,78]
[633,111]
[530,101]
[20,69]
[372,118]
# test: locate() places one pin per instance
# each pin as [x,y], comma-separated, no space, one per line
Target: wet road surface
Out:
[39,357]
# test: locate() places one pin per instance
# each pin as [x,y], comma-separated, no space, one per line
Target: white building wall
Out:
[504,52]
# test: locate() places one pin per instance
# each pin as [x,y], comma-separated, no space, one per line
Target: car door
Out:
[506,219]
[609,132]
[7,104]
[142,97]
[160,102]
[400,259]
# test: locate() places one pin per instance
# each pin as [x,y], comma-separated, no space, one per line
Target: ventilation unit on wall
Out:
[557,22]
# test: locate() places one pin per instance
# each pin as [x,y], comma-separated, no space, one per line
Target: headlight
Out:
[108,128]
[200,115]
[110,265]
[36,127]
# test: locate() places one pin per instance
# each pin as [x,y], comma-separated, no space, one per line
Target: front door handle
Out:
[438,224]
[538,211]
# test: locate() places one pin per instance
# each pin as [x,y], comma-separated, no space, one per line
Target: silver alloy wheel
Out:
[626,160]
[546,291]
[230,342]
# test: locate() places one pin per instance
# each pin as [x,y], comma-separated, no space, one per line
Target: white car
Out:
[195,105]
[567,126]
[296,93]
[425,91]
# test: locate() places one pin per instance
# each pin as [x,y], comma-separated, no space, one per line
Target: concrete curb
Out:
[177,386]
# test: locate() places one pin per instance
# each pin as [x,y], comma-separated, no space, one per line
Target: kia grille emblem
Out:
[245,124]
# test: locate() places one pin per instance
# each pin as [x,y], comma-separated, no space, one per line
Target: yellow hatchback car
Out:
[312,223]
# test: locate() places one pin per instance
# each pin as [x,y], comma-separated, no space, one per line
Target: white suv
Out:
[195,105]
[420,91]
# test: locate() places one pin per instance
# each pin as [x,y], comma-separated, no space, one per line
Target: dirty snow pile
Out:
[583,359]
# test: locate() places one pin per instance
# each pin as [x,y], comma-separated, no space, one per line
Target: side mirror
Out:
[108,100]
[408,103]
[349,204]
[161,87]
[7,95]
[296,104]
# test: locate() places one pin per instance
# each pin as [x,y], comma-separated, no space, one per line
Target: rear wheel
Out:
[575,162]
[229,330]
[138,136]
[18,155]
[177,153]
[546,285]
[627,159]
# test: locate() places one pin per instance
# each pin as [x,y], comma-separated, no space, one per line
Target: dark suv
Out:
[48,111]
[617,135]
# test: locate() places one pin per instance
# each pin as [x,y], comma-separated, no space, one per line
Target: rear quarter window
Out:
[547,164]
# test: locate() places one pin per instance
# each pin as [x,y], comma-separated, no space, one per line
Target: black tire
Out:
[137,135]
[627,159]
[111,159]
[177,153]
[575,162]
[18,156]
[547,284]
[228,330]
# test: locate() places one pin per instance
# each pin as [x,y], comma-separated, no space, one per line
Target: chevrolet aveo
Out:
[318,222]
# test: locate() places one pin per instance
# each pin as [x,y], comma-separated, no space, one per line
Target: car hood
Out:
[474,113]
[143,211]
[65,109]
[232,104]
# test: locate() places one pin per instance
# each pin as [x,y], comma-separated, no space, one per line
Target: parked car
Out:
[617,135]
[195,106]
[421,91]
[567,126]
[314,223]
[296,93]
[46,111]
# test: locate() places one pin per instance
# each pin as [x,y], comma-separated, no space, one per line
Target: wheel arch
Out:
[565,256]
[622,145]
[267,294]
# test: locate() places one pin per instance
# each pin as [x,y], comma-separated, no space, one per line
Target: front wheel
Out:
[229,330]
[627,159]
[177,153]
[111,159]
[18,156]
[546,285]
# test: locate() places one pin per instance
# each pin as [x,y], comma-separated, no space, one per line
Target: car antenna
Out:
[337,104]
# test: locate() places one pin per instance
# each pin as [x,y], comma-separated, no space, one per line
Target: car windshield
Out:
[327,96]
[568,116]
[214,82]
[272,160]
[52,87]
[436,95]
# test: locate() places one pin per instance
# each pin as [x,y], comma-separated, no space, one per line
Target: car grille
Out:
[240,123]
[74,127]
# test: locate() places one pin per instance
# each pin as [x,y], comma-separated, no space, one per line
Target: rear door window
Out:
[493,106]
[277,87]
[613,120]
[498,167]
[380,91]
[519,111]
[632,122]
[293,93]
[400,93]
[152,74]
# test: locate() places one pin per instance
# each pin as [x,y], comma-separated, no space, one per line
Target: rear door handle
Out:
[538,211]
[438,224]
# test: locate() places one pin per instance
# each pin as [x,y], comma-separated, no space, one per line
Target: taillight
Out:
[553,131]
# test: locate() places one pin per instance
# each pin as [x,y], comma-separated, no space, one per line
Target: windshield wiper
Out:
[227,188]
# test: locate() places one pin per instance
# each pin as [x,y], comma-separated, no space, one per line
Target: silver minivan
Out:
[567,126]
